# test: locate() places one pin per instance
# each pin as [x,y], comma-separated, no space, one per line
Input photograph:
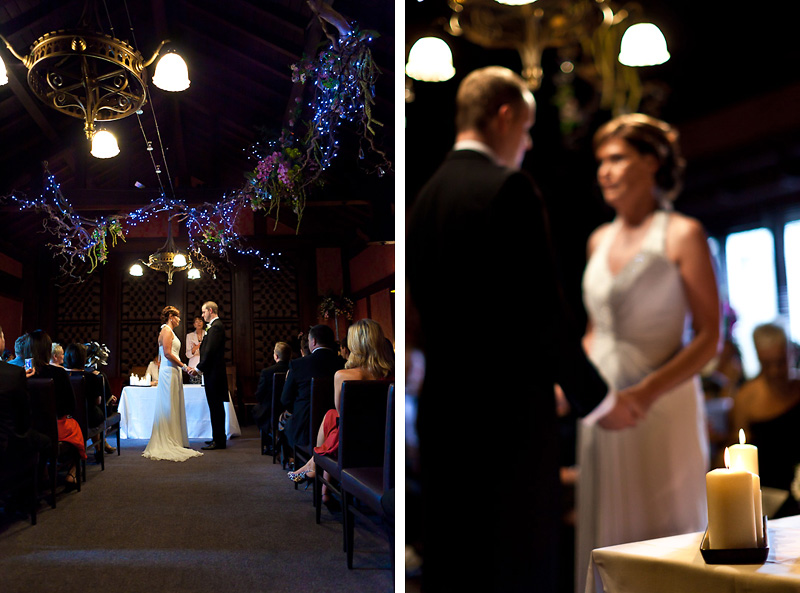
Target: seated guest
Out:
[344,351]
[768,409]
[304,349]
[75,364]
[152,370]
[323,361]
[17,439]
[18,359]
[370,359]
[193,341]
[57,355]
[38,346]
[262,412]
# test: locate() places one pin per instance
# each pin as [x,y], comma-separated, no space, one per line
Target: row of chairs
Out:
[363,471]
[41,394]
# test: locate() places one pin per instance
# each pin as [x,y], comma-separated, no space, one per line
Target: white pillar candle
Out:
[731,512]
[731,508]
[758,510]
[743,456]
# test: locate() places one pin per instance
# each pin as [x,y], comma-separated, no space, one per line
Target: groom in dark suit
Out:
[212,365]
[480,270]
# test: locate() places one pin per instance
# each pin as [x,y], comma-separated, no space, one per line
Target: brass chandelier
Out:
[89,75]
[168,259]
[597,29]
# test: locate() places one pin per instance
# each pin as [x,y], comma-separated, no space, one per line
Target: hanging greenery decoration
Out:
[341,83]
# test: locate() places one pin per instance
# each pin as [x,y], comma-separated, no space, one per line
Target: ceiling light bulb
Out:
[515,2]
[136,270]
[179,261]
[171,73]
[194,273]
[643,44]
[430,60]
[104,145]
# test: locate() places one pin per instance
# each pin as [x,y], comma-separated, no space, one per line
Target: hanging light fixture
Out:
[171,73]
[643,44]
[430,60]
[592,28]
[168,259]
[104,145]
[88,75]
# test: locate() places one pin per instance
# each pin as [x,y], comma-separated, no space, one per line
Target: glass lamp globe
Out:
[430,60]
[171,73]
[104,145]
[643,44]
[179,261]
[193,273]
[3,73]
[136,270]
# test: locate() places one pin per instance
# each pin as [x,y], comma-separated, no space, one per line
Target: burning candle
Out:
[743,456]
[731,508]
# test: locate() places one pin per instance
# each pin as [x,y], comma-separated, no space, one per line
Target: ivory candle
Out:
[731,508]
[743,456]
[758,511]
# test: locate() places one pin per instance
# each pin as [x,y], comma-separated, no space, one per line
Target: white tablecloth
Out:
[675,565]
[137,408]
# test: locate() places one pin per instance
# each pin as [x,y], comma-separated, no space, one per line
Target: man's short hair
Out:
[323,335]
[284,351]
[212,306]
[481,94]
[19,344]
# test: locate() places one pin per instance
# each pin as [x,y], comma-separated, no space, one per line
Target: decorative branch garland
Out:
[342,79]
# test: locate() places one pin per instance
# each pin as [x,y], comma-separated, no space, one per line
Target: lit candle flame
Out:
[727,457]
[742,440]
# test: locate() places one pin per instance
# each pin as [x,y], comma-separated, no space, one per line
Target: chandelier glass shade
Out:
[171,73]
[643,44]
[104,145]
[430,60]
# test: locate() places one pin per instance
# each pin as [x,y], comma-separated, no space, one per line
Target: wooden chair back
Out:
[278,381]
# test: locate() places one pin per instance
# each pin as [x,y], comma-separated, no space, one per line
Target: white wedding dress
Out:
[169,440]
[648,481]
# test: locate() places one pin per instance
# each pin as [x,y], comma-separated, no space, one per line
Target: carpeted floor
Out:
[228,521]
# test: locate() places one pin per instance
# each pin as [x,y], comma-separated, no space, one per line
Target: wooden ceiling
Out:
[239,54]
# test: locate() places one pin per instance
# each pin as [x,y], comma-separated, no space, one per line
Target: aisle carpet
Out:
[228,521]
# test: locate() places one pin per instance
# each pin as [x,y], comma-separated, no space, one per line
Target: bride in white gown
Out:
[649,271]
[169,439]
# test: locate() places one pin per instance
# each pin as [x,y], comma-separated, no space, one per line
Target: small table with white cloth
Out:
[137,408]
[672,564]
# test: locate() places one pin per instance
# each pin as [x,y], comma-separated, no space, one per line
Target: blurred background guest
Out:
[57,355]
[38,346]
[768,409]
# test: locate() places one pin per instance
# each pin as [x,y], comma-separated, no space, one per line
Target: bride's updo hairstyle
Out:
[168,312]
[648,135]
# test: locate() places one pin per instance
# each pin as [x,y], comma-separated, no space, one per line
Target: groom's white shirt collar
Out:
[212,321]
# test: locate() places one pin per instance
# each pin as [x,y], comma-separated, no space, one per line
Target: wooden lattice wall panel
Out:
[79,310]
[143,299]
